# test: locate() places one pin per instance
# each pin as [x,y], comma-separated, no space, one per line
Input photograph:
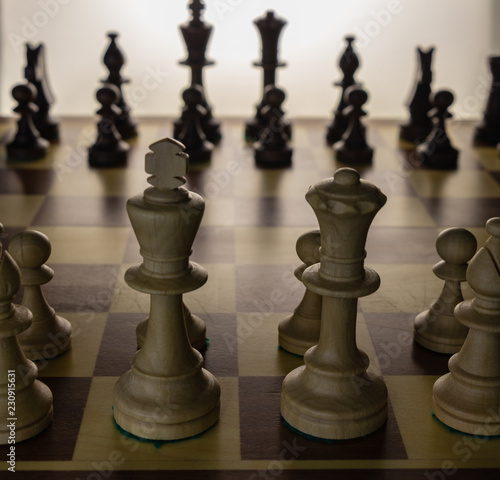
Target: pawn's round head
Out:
[107,95]
[442,99]
[192,96]
[30,249]
[456,246]
[356,96]
[274,96]
[24,93]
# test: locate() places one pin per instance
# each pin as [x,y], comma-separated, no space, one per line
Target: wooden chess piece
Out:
[196,34]
[300,331]
[109,150]
[167,374]
[334,396]
[25,401]
[35,73]
[419,125]
[349,63]
[437,328]
[468,397]
[27,143]
[269,27]
[49,334]
[488,131]
[114,61]
[192,136]
[196,330]
[353,148]
[437,150]
[273,150]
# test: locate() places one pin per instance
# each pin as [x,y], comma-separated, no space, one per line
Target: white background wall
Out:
[387,31]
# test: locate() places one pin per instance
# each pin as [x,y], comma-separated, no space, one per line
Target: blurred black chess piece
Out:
[272,149]
[192,136]
[114,61]
[35,73]
[349,63]
[419,125]
[269,27]
[27,143]
[353,148]
[437,151]
[109,150]
[488,131]
[196,34]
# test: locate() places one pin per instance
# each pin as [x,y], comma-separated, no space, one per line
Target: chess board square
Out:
[83,211]
[403,288]
[272,211]
[267,245]
[403,212]
[267,288]
[58,441]
[86,245]
[397,353]
[99,436]
[265,436]
[401,245]
[81,288]
[455,212]
[19,210]
[461,184]
[26,182]
[80,359]
[423,435]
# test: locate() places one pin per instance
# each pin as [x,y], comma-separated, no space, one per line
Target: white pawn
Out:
[300,331]
[468,398]
[26,402]
[49,334]
[437,328]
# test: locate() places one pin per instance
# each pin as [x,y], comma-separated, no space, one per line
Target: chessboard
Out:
[246,242]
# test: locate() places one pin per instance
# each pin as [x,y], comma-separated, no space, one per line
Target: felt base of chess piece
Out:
[437,328]
[196,329]
[33,409]
[27,143]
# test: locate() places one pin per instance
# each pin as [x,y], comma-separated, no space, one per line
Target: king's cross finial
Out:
[196,7]
[167,163]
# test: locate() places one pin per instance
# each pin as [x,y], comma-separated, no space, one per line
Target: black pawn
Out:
[27,143]
[35,73]
[437,151]
[349,63]
[272,149]
[114,61]
[109,150]
[353,149]
[192,136]
[419,124]
[488,131]
[269,27]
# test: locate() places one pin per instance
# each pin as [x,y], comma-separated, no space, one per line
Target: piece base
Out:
[353,156]
[439,161]
[36,152]
[273,158]
[107,159]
